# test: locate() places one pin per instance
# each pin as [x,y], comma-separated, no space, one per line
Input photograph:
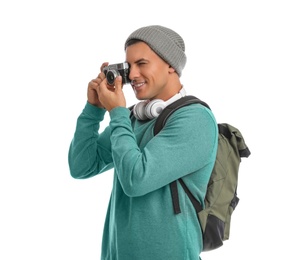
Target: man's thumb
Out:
[118,83]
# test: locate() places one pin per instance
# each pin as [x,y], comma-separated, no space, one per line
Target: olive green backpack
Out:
[221,197]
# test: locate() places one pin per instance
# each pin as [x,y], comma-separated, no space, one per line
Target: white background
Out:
[49,52]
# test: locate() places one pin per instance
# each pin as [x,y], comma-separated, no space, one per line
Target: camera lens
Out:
[111,76]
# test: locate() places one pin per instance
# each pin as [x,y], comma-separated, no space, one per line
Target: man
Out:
[140,222]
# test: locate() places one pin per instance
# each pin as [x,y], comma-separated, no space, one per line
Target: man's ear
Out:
[171,70]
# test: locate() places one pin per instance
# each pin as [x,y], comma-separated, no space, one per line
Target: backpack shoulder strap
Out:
[170,109]
[159,124]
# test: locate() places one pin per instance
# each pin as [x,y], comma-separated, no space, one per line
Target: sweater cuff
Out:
[119,112]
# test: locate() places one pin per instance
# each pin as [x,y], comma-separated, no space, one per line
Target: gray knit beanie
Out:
[165,43]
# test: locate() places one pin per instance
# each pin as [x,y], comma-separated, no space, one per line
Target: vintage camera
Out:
[114,70]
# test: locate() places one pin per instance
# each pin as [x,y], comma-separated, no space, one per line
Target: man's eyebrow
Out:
[140,60]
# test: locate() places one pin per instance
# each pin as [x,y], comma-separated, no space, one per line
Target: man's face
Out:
[148,72]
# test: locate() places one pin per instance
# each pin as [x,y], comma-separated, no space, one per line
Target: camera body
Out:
[114,70]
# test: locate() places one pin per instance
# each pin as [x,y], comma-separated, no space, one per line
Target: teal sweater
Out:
[140,222]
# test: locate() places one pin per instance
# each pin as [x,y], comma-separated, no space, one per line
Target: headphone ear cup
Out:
[139,110]
[150,109]
[154,108]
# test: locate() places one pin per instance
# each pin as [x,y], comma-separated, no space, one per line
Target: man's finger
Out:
[103,65]
[118,84]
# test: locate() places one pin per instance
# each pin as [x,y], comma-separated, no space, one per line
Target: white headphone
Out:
[151,109]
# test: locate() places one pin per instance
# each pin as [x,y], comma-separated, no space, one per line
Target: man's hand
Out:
[92,95]
[102,95]
[111,96]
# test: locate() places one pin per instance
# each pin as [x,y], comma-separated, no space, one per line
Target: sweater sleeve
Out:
[90,152]
[185,145]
